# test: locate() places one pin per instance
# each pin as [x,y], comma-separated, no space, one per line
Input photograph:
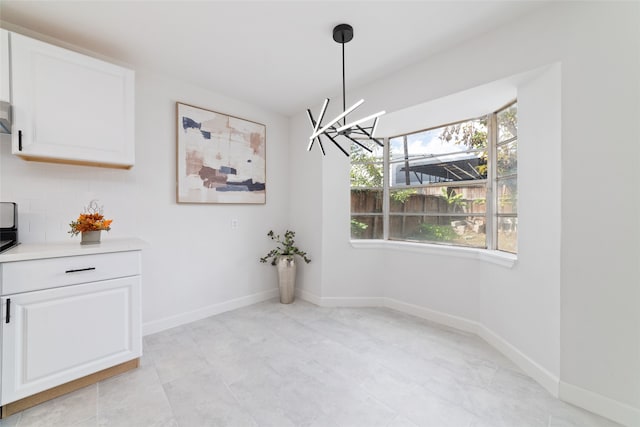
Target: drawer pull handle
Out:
[8,316]
[80,269]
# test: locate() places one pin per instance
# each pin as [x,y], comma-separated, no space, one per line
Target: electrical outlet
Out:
[234,223]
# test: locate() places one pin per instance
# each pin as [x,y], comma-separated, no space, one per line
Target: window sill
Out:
[503,259]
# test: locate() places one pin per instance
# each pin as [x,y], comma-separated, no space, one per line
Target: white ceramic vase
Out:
[90,237]
[286,265]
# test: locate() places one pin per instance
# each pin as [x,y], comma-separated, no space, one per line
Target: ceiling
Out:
[279,55]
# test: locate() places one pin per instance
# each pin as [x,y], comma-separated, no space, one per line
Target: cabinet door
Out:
[5,94]
[70,107]
[58,335]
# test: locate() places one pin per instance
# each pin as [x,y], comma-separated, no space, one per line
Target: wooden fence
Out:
[464,205]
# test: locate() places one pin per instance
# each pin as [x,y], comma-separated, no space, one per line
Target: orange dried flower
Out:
[90,222]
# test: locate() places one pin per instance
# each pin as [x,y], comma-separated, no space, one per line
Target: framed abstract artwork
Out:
[221,158]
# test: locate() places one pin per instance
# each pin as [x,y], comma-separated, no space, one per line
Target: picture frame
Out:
[220,158]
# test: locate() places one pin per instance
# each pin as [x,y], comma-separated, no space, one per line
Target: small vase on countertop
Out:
[90,237]
[90,223]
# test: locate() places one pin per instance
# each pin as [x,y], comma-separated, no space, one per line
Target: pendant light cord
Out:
[344,101]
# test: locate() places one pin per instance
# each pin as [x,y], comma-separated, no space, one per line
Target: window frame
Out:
[496,179]
[492,214]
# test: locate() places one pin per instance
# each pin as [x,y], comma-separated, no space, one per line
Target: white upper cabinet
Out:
[5,93]
[5,88]
[69,107]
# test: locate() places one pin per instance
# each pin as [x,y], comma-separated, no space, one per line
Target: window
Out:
[506,179]
[435,186]
[367,192]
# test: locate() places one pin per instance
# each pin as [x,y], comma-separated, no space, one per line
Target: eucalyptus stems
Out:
[284,247]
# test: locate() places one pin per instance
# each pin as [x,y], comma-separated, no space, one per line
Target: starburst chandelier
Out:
[354,131]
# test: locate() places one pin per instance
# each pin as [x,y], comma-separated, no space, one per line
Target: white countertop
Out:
[72,247]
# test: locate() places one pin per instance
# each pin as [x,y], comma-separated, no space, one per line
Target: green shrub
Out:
[358,228]
[435,232]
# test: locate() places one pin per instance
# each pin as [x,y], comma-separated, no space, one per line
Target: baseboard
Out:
[450,320]
[340,301]
[352,302]
[415,310]
[541,375]
[617,411]
[201,313]
[309,297]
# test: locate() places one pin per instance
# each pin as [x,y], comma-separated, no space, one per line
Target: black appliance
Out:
[8,225]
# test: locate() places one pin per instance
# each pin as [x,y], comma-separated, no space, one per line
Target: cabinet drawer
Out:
[25,276]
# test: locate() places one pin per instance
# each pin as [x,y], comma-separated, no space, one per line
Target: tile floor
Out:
[301,365]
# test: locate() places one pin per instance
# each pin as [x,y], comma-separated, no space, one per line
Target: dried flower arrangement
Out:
[91,220]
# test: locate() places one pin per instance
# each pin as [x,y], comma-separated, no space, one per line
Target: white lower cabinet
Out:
[67,317]
[54,336]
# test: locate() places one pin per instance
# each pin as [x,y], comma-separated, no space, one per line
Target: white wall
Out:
[196,264]
[601,245]
[570,305]
[305,214]
[203,260]
[523,304]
